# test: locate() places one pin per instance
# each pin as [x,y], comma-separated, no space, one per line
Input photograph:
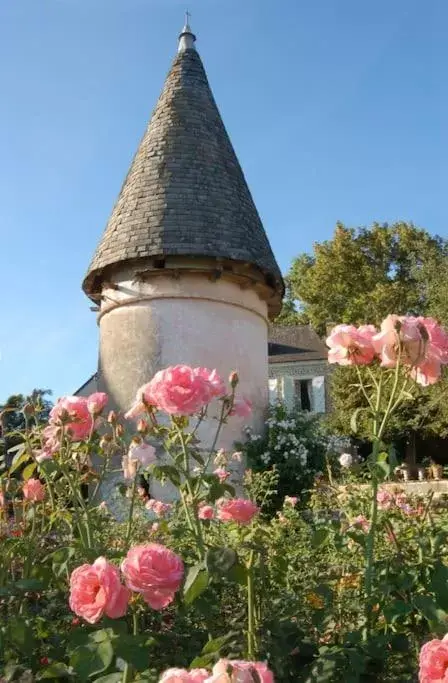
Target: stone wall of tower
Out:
[146,326]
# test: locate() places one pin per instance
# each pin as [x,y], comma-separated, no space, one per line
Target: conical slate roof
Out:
[185,193]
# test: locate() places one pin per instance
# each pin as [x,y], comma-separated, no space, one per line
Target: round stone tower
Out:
[184,272]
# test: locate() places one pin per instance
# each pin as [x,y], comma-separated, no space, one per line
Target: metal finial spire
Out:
[187,37]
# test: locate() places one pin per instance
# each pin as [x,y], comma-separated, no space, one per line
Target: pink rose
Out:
[434,661]
[158,507]
[198,675]
[242,407]
[43,455]
[385,499]
[238,510]
[206,512]
[221,473]
[184,676]
[74,413]
[290,500]
[228,671]
[175,676]
[138,455]
[97,402]
[154,571]
[400,499]
[362,523]
[33,490]
[143,452]
[143,398]
[178,390]
[351,346]
[217,386]
[95,589]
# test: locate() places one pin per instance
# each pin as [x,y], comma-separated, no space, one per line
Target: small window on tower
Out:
[303,393]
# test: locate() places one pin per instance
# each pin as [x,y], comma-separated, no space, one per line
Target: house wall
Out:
[282,377]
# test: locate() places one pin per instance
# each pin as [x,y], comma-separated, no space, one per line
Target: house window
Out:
[303,390]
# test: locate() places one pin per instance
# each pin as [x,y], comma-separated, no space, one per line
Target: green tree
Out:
[14,418]
[363,274]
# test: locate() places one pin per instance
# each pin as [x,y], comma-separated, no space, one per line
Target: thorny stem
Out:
[131,509]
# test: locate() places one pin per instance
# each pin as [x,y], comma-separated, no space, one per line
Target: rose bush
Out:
[210,586]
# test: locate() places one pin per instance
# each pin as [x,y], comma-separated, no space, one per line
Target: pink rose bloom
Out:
[178,390]
[184,676]
[43,455]
[400,499]
[290,500]
[95,589]
[362,523]
[198,675]
[97,402]
[228,671]
[138,455]
[143,398]
[434,661]
[158,507]
[242,407]
[217,386]
[206,512]
[51,438]
[238,510]
[222,474]
[175,676]
[33,490]
[154,571]
[385,500]
[410,338]
[351,346]
[143,452]
[73,411]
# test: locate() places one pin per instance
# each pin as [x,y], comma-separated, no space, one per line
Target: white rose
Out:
[345,460]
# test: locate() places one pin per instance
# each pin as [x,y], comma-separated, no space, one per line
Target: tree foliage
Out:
[14,419]
[363,274]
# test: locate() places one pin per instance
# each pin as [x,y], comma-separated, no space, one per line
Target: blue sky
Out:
[338,110]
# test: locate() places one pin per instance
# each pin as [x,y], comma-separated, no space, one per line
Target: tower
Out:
[184,272]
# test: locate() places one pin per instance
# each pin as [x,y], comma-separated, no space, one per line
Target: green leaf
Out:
[439,584]
[202,662]
[92,659]
[354,419]
[216,644]
[431,611]
[19,459]
[55,670]
[319,537]
[28,471]
[30,585]
[397,610]
[19,632]
[110,678]
[196,583]
[238,574]
[220,560]
[134,650]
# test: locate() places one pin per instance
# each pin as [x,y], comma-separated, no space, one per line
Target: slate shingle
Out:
[185,192]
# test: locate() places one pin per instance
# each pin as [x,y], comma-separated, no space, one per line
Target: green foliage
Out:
[363,274]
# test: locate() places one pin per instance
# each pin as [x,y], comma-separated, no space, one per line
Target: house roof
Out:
[185,193]
[288,343]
